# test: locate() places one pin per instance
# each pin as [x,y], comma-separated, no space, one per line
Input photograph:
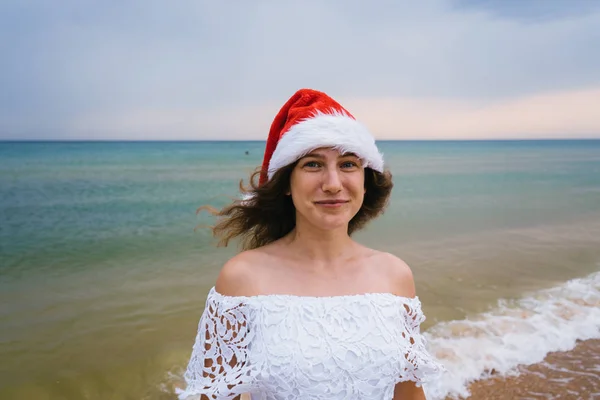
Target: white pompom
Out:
[246,198]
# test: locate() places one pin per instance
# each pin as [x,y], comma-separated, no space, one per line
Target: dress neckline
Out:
[213,291]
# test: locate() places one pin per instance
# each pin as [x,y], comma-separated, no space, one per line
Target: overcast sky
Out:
[191,69]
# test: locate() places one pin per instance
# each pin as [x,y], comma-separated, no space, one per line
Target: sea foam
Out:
[516,332]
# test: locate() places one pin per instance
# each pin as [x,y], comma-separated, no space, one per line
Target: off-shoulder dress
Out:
[284,347]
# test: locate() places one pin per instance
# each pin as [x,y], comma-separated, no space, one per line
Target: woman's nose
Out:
[331,181]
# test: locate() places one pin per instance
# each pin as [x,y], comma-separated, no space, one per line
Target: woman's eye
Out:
[311,164]
[349,164]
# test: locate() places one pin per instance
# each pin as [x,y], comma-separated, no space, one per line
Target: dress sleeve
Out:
[219,367]
[416,363]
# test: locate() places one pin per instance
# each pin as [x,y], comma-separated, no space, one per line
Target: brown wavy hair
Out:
[269,213]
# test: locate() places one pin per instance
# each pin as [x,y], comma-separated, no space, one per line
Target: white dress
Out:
[284,347]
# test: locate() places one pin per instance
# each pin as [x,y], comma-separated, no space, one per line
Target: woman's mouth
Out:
[331,203]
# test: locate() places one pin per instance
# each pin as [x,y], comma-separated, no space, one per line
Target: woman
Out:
[305,312]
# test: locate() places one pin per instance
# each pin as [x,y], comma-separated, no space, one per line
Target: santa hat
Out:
[310,120]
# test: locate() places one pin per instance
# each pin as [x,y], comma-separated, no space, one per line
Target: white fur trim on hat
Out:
[336,130]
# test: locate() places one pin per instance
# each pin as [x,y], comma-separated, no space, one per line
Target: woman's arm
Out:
[218,365]
[408,391]
[404,285]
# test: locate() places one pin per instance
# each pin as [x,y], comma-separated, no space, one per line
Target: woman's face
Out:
[327,188]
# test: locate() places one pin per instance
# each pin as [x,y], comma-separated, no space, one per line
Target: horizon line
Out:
[264,140]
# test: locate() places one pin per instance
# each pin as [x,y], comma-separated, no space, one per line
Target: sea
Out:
[105,264]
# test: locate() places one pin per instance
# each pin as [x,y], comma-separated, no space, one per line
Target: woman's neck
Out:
[320,247]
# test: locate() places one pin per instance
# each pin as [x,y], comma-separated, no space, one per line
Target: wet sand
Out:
[569,375]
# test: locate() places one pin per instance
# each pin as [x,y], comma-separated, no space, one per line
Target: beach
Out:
[105,266]
[565,375]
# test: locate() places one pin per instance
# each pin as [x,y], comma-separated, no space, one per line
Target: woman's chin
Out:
[330,222]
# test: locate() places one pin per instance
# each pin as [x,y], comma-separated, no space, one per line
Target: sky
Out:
[195,70]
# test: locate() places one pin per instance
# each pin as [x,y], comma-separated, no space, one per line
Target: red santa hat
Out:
[310,120]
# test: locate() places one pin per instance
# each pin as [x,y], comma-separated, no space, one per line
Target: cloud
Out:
[531,10]
[571,114]
[552,115]
[65,64]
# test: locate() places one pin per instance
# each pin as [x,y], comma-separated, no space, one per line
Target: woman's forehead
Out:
[329,151]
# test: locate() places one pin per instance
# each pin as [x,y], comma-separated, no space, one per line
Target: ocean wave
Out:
[516,332]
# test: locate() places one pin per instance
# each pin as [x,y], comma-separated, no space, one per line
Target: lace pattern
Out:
[419,366]
[284,347]
[219,367]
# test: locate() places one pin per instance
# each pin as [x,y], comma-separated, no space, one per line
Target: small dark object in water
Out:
[247,152]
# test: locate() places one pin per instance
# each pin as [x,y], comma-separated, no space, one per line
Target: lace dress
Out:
[284,347]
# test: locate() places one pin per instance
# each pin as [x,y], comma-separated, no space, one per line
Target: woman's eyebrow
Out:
[319,155]
[315,155]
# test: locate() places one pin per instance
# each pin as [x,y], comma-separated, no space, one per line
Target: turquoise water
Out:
[101,270]
[58,197]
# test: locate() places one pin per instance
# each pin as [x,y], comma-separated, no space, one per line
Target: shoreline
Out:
[573,374]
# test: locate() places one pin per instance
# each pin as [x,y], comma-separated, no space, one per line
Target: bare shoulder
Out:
[236,275]
[398,273]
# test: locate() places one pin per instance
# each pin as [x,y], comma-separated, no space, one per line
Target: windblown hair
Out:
[269,213]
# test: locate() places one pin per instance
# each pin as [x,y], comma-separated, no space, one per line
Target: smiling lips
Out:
[331,203]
